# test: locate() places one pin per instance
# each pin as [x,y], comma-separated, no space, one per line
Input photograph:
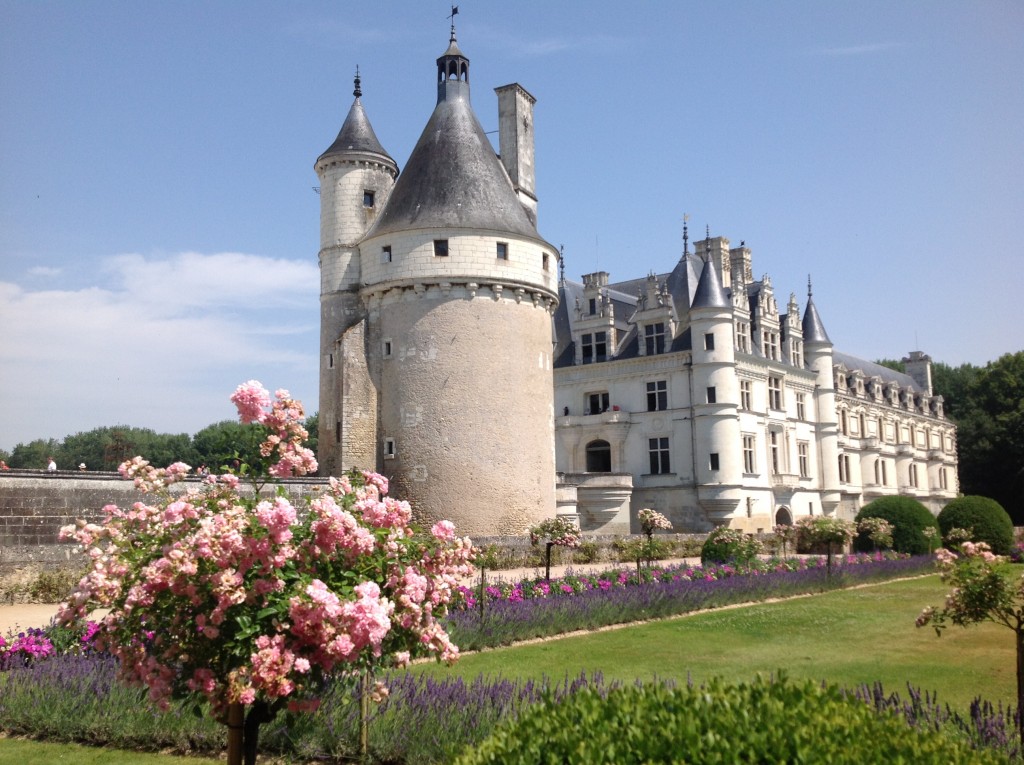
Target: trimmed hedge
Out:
[986,519]
[765,722]
[908,517]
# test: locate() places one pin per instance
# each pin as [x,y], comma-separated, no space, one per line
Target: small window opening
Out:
[502,250]
[385,254]
[367,199]
[441,248]
[713,460]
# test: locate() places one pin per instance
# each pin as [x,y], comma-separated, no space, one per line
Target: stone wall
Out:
[35,504]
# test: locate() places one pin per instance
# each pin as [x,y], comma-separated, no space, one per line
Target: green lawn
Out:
[847,637]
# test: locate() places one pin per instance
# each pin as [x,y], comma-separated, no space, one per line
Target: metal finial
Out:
[452,15]
[358,90]
[686,235]
[808,285]
[707,231]
[561,262]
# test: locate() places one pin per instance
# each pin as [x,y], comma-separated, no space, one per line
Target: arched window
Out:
[599,457]
[783,517]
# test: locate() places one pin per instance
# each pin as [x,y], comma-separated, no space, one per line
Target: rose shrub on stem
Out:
[984,589]
[224,595]
[825,530]
[560,532]
[651,521]
[879,531]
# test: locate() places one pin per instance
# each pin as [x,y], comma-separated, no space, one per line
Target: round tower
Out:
[818,355]
[459,340]
[715,397]
[356,178]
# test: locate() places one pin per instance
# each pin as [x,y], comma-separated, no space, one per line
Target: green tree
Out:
[34,454]
[313,428]
[990,429]
[219,445]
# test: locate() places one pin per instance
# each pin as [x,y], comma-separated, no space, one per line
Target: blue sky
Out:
[159,228]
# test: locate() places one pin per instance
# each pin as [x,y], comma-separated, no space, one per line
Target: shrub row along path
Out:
[21,616]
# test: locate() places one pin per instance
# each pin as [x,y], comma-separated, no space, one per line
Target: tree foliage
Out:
[984,517]
[909,519]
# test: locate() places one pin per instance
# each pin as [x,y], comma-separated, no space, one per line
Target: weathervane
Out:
[358,90]
[686,235]
[452,15]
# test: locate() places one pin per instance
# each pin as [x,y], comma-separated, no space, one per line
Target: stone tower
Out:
[715,394]
[818,355]
[458,289]
[356,178]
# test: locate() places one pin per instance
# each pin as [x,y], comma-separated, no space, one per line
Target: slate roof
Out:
[357,136]
[871,369]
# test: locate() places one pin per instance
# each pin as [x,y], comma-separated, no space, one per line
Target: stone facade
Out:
[724,411]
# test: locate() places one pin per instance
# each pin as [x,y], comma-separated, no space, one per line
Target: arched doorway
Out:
[599,457]
[783,517]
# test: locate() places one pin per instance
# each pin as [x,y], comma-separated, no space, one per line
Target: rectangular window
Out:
[712,395]
[330,361]
[367,199]
[775,393]
[440,248]
[803,455]
[597,402]
[746,395]
[795,357]
[770,342]
[709,341]
[774,450]
[743,337]
[389,448]
[749,462]
[502,250]
[545,261]
[844,468]
[913,476]
[942,479]
[587,341]
[713,460]
[387,349]
[600,346]
[657,396]
[385,254]
[654,335]
[801,409]
[658,451]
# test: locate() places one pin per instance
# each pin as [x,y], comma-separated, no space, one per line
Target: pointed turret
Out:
[356,178]
[814,330]
[710,293]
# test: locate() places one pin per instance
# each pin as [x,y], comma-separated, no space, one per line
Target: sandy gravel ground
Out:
[24,615]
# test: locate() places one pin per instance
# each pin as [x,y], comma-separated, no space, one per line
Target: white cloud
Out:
[45,271]
[857,50]
[160,343]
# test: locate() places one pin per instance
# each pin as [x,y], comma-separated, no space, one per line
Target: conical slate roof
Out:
[814,330]
[357,136]
[709,293]
[454,179]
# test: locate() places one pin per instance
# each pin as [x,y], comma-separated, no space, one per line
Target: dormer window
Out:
[367,199]
[654,338]
[440,248]
[594,347]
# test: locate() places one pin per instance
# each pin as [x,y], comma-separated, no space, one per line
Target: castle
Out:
[458,360]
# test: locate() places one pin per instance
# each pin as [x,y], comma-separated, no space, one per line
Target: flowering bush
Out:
[879,531]
[984,588]
[786,534]
[238,598]
[725,545]
[651,521]
[554,532]
[25,647]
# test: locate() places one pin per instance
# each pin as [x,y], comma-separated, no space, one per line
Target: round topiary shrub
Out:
[985,518]
[763,721]
[725,545]
[909,519]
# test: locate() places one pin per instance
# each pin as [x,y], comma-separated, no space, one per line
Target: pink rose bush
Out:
[651,521]
[984,588]
[221,592]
